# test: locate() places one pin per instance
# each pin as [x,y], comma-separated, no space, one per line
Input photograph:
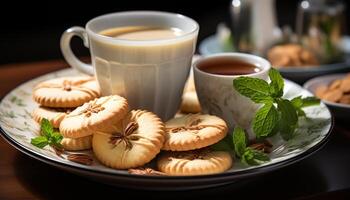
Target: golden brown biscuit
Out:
[333,95]
[289,55]
[345,99]
[54,115]
[197,162]
[99,114]
[193,131]
[321,91]
[77,144]
[137,139]
[66,92]
[345,86]
[190,103]
[335,84]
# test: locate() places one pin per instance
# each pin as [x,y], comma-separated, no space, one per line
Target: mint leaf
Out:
[46,127]
[49,136]
[299,103]
[40,141]
[277,83]
[310,101]
[225,144]
[287,110]
[255,89]
[254,157]
[239,141]
[288,120]
[265,120]
[56,138]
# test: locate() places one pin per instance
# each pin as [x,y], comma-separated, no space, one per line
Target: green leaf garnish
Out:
[254,157]
[40,141]
[46,128]
[289,118]
[265,120]
[225,144]
[277,115]
[239,141]
[299,103]
[48,136]
[256,89]
[276,84]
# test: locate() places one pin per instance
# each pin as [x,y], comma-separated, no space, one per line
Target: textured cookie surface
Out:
[99,114]
[66,92]
[193,131]
[197,162]
[54,115]
[135,142]
[77,144]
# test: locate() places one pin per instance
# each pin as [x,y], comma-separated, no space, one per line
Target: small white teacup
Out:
[216,92]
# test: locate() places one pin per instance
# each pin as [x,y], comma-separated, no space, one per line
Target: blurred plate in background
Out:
[340,111]
[211,45]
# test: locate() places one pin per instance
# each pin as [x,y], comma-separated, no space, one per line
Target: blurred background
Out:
[31,31]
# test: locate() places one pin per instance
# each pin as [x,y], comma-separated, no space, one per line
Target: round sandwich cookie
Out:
[99,114]
[54,115]
[193,131]
[196,162]
[66,92]
[136,141]
[77,144]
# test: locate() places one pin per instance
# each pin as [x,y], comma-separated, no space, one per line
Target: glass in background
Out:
[320,27]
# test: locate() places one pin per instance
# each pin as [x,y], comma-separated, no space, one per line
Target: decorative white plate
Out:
[18,128]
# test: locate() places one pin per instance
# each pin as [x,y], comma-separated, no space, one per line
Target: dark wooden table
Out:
[325,175]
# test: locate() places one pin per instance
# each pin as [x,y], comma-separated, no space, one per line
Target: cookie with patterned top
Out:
[196,162]
[136,140]
[66,92]
[54,115]
[193,131]
[77,144]
[99,114]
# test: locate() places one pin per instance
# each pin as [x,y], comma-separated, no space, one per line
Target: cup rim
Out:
[265,63]
[141,12]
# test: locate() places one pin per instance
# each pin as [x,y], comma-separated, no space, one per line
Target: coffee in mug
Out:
[144,56]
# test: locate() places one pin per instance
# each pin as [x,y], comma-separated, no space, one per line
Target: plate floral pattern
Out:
[18,125]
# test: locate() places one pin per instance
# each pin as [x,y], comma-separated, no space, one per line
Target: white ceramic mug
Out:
[217,95]
[150,73]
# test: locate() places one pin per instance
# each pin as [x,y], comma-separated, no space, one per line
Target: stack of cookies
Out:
[187,141]
[58,97]
[124,139]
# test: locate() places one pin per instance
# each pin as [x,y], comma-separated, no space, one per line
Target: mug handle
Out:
[68,53]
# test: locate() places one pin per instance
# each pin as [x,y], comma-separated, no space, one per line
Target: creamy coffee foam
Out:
[149,67]
[142,33]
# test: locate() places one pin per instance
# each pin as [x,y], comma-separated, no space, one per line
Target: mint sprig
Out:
[49,136]
[237,144]
[277,114]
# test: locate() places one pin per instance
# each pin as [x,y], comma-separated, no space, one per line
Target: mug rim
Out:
[96,35]
[266,65]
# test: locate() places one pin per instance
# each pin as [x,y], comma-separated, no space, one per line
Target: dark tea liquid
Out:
[228,66]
